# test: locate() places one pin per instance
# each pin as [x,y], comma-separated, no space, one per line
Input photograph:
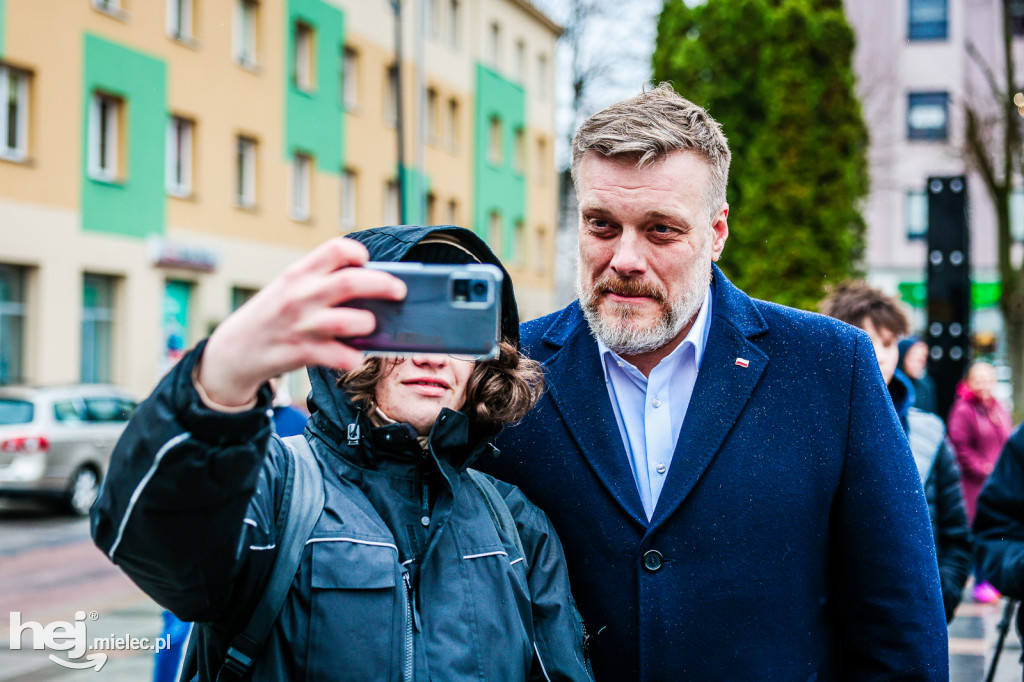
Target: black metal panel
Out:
[949,286]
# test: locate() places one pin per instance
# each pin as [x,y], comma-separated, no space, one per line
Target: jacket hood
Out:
[429,244]
[901,390]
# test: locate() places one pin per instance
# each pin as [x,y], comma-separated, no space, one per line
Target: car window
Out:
[16,411]
[67,411]
[108,409]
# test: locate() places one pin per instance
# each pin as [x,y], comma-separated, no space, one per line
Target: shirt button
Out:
[652,560]
[661,469]
[656,402]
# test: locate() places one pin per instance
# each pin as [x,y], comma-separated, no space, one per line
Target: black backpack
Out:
[303,498]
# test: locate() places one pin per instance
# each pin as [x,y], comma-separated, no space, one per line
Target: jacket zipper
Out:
[407,672]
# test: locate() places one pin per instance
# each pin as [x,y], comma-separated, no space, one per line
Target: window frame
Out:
[921,99]
[104,144]
[180,19]
[347,214]
[178,127]
[245,34]
[927,30]
[350,78]
[246,159]
[19,152]
[304,56]
[301,186]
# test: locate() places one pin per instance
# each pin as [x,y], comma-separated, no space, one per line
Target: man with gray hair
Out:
[734,492]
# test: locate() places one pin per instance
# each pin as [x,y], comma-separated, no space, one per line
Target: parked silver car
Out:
[55,442]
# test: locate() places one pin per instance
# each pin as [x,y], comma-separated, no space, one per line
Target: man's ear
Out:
[720,231]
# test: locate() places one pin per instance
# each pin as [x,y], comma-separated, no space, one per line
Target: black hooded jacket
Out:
[405,576]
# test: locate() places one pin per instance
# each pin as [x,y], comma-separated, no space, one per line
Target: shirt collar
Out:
[697,338]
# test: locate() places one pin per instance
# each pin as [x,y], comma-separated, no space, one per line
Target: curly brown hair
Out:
[499,391]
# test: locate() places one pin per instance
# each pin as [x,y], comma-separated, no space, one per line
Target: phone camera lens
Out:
[460,290]
[480,289]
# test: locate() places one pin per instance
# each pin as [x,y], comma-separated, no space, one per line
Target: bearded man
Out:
[736,497]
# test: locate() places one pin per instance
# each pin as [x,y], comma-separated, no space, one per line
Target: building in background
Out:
[915,73]
[161,160]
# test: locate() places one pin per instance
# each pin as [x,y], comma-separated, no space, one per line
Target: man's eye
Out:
[598,222]
[662,229]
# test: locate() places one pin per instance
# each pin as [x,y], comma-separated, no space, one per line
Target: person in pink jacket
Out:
[978,428]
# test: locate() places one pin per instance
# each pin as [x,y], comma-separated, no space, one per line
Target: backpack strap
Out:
[498,508]
[304,500]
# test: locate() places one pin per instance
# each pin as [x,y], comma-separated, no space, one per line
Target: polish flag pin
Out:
[743,362]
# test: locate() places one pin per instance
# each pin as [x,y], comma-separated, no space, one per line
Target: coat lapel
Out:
[575,382]
[730,369]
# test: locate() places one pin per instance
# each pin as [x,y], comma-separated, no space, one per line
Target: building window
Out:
[451,125]
[1017,214]
[494,142]
[519,152]
[97,328]
[927,19]
[915,211]
[114,8]
[540,250]
[12,323]
[349,192]
[494,46]
[541,172]
[179,156]
[245,169]
[105,115]
[431,113]
[350,78]
[431,208]
[520,61]
[454,22]
[246,28]
[391,96]
[452,216]
[432,20]
[518,244]
[494,234]
[927,116]
[302,60]
[179,19]
[1017,17]
[302,174]
[240,296]
[177,319]
[13,114]
[542,76]
[392,210]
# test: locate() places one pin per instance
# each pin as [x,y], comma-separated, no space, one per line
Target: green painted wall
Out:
[136,204]
[415,187]
[498,188]
[314,121]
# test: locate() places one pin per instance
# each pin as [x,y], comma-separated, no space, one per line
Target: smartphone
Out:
[453,309]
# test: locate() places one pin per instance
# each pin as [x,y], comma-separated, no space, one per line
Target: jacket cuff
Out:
[204,422]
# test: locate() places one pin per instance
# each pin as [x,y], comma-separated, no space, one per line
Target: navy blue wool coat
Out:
[791,540]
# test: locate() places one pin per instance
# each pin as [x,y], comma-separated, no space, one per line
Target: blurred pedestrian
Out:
[880,316]
[288,420]
[914,363]
[978,427]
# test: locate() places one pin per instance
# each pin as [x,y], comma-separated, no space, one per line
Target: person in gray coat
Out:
[407,575]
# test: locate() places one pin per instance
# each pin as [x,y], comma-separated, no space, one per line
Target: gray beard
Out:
[619,329]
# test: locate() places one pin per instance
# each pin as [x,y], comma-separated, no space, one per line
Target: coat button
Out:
[652,560]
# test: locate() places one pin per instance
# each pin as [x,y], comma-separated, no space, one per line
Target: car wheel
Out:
[83,490]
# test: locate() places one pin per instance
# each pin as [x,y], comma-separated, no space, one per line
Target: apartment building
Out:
[915,73]
[161,160]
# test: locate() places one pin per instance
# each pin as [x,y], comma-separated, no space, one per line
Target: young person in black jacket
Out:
[880,316]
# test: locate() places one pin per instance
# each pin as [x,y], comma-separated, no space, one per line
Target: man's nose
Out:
[629,259]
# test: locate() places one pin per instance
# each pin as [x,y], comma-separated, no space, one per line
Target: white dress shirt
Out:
[650,410]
